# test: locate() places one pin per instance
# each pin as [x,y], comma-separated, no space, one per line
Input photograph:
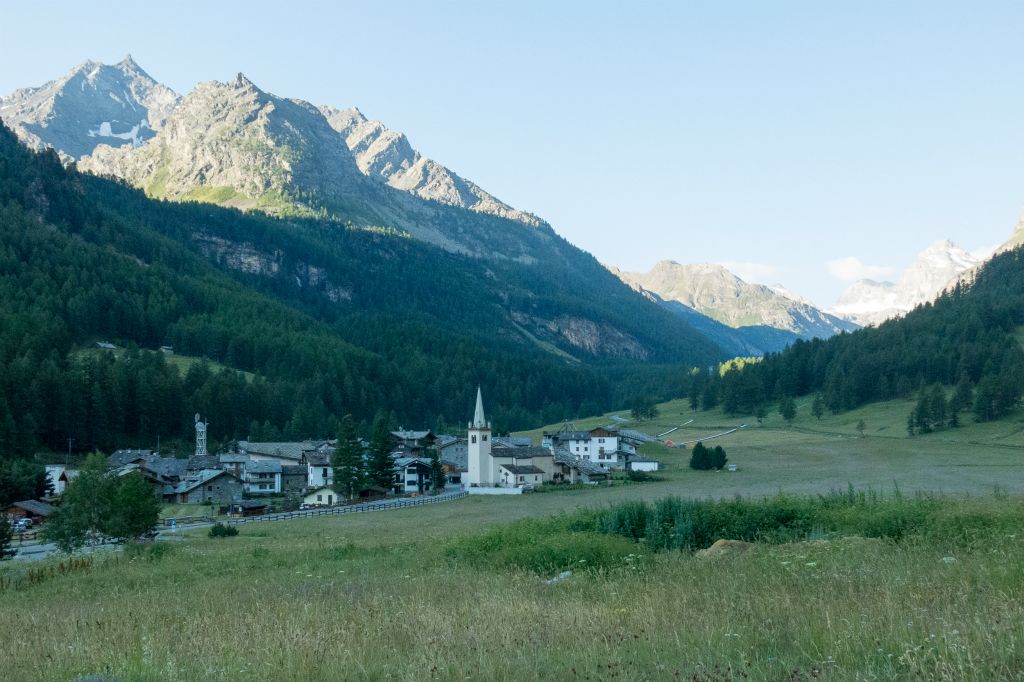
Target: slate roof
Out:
[445,440]
[563,456]
[511,442]
[293,470]
[639,436]
[572,435]
[267,466]
[412,435]
[318,459]
[521,469]
[121,457]
[282,450]
[168,467]
[195,480]
[200,462]
[520,453]
[234,458]
[34,507]
[404,462]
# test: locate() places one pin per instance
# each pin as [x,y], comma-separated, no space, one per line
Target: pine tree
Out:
[818,406]
[860,427]
[700,458]
[381,467]
[349,467]
[718,458]
[787,408]
[437,474]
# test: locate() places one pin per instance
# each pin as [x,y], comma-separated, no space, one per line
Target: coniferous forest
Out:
[965,344]
[333,320]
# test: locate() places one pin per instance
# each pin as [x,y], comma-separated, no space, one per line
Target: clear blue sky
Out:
[780,135]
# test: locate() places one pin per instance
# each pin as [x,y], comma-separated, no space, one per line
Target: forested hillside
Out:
[329,320]
[968,338]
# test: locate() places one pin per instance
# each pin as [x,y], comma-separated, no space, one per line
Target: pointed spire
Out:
[478,417]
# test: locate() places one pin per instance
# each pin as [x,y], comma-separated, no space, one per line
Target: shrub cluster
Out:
[704,458]
[674,523]
[219,530]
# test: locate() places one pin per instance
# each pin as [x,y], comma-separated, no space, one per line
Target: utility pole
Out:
[67,460]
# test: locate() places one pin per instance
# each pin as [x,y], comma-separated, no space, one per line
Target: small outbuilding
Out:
[35,510]
[324,496]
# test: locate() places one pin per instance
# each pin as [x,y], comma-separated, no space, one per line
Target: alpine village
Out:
[284,398]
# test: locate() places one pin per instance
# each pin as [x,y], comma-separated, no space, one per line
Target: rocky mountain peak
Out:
[714,291]
[91,104]
[935,268]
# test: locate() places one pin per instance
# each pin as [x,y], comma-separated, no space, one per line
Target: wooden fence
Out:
[323,511]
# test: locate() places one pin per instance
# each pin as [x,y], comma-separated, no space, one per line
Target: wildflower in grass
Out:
[949,559]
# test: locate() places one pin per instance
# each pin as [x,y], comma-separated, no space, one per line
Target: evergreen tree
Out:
[937,406]
[348,463]
[861,425]
[760,415]
[437,475]
[6,535]
[963,396]
[923,413]
[700,458]
[718,458]
[818,406]
[381,467]
[787,408]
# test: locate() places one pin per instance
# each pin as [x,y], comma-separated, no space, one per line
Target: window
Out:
[324,474]
[484,437]
[520,479]
[473,438]
[209,487]
[319,498]
[600,440]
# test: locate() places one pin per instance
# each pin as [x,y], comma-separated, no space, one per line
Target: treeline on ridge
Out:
[967,338]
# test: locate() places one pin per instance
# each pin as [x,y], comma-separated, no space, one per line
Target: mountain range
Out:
[935,269]
[761,318]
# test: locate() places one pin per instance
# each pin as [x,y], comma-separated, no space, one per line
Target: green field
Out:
[816,456]
[416,594]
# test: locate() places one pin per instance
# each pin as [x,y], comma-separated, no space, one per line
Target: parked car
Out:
[22,525]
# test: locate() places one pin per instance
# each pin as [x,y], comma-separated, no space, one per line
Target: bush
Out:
[219,530]
[543,547]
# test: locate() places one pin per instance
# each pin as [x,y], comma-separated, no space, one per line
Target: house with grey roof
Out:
[262,477]
[209,486]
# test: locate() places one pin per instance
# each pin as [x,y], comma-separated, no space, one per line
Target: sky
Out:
[802,143]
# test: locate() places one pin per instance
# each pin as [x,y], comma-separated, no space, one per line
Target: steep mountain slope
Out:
[868,302]
[90,105]
[746,341]
[236,145]
[329,320]
[387,156]
[714,291]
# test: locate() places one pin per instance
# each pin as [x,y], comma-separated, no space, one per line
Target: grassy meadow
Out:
[885,586]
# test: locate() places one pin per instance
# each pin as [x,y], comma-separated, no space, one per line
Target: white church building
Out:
[493,468]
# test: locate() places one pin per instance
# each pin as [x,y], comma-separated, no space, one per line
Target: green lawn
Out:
[815,456]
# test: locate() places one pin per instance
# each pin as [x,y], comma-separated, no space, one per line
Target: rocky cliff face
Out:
[717,293]
[93,104]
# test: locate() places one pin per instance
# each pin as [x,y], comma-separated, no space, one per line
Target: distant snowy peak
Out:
[717,293]
[387,156]
[91,104]
[867,302]
[791,295]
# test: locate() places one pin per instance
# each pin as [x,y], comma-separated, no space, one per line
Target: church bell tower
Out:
[480,464]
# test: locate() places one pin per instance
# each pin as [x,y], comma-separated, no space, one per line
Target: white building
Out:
[319,471]
[321,497]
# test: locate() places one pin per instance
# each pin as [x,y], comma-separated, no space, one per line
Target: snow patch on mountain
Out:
[868,302]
